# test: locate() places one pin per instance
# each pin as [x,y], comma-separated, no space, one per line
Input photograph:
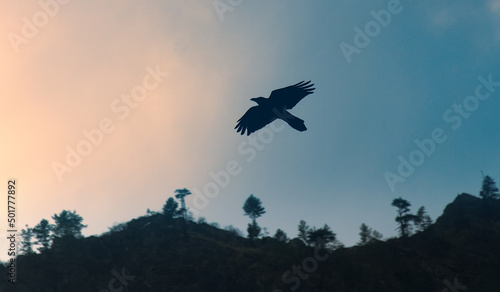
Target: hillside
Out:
[156,254]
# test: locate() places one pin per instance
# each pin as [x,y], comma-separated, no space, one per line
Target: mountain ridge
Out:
[154,253]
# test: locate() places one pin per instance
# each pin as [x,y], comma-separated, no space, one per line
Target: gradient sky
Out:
[67,75]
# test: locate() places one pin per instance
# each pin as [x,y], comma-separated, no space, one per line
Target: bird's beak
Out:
[253,99]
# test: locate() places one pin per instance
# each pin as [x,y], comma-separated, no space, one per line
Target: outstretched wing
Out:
[288,97]
[254,119]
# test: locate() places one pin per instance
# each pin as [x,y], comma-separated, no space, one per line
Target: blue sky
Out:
[363,115]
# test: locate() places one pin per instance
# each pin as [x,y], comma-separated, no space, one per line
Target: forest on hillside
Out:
[69,224]
[458,250]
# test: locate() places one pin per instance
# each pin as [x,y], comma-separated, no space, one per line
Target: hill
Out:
[158,254]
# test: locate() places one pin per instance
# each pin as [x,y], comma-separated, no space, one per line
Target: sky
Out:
[109,107]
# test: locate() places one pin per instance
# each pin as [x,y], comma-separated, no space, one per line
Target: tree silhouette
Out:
[368,235]
[253,209]
[364,234]
[303,230]
[376,235]
[253,230]
[422,220]
[489,189]
[181,194]
[321,236]
[281,235]
[42,233]
[404,217]
[27,245]
[68,224]
[170,208]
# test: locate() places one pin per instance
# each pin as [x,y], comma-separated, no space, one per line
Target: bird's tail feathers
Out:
[293,121]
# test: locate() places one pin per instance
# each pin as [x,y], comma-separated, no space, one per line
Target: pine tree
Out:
[42,233]
[376,235]
[303,230]
[253,209]
[489,189]
[404,217]
[422,220]
[281,235]
[68,224]
[170,208]
[27,245]
[181,194]
[321,236]
[368,235]
[364,234]
[253,230]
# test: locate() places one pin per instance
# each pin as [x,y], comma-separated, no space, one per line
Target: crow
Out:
[275,107]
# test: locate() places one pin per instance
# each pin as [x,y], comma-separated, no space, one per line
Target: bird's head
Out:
[259,100]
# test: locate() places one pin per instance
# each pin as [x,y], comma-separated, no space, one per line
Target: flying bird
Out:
[275,107]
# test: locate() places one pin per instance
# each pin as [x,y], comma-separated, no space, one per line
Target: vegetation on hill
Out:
[168,251]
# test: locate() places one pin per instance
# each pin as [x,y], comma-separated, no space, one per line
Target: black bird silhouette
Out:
[275,107]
